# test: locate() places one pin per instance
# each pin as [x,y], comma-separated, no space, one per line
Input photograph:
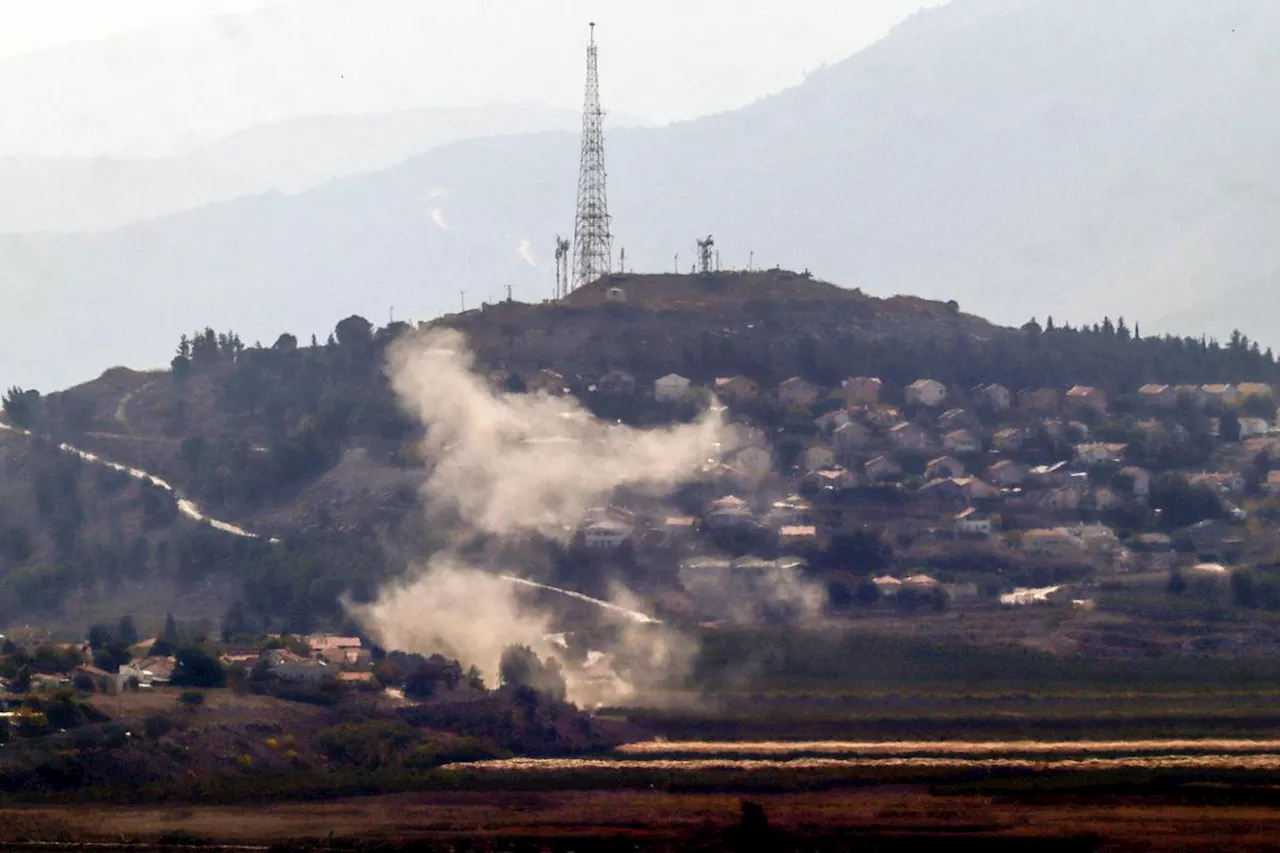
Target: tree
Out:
[521,667]
[170,633]
[22,406]
[197,668]
[99,636]
[126,631]
[354,331]
[190,699]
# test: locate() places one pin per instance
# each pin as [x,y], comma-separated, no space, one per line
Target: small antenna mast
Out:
[462,300]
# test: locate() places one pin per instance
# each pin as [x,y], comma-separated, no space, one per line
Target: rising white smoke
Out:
[512,465]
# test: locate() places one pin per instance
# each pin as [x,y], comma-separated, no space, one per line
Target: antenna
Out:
[705,254]
[509,299]
[562,267]
[592,242]
[622,260]
[677,267]
[462,300]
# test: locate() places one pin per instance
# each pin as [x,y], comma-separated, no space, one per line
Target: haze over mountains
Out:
[1078,158]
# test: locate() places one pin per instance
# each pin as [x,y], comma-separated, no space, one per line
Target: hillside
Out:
[308,445]
[1024,157]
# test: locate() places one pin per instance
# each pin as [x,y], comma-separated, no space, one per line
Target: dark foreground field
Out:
[875,818]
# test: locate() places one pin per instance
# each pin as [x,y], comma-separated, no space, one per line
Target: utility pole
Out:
[622,260]
[509,299]
[462,300]
[676,268]
[592,242]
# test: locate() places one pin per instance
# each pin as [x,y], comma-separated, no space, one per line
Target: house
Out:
[1158,396]
[1253,427]
[883,415]
[833,478]
[1097,452]
[330,645]
[754,462]
[798,535]
[832,421]
[888,586]
[818,457]
[1261,390]
[1041,400]
[971,522]
[301,672]
[547,382]
[1087,397]
[945,489]
[1009,440]
[1227,482]
[1140,478]
[972,489]
[670,388]
[1225,396]
[919,583]
[727,512]
[1100,499]
[861,391]
[1212,539]
[882,468]
[953,419]
[737,435]
[1190,395]
[851,437]
[103,681]
[738,388]
[961,441]
[1006,474]
[926,392]
[1053,544]
[912,437]
[797,392]
[617,382]
[605,535]
[1272,485]
[996,398]
[1049,476]
[944,467]
[1065,498]
[792,509]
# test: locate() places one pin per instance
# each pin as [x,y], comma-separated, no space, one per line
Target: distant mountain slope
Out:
[289,156]
[1078,158]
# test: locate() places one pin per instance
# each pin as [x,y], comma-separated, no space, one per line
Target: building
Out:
[1041,400]
[944,467]
[616,382]
[994,397]
[961,441]
[953,419]
[1009,440]
[1253,427]
[1140,478]
[1260,390]
[926,392]
[832,421]
[971,522]
[797,535]
[754,462]
[1272,485]
[605,535]
[670,388]
[851,437]
[1224,396]
[1158,396]
[818,457]
[861,391]
[727,512]
[1006,474]
[798,392]
[882,468]
[1053,544]
[835,477]
[912,437]
[737,388]
[1087,397]
[1098,452]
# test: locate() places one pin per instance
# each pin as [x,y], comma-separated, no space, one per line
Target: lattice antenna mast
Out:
[592,242]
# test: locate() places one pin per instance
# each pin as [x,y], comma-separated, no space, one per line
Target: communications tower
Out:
[592,242]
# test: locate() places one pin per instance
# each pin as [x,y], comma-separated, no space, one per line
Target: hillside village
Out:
[969,496]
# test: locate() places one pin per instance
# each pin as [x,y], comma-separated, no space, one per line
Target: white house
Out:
[798,392]
[971,522]
[605,535]
[670,388]
[926,392]
[1253,427]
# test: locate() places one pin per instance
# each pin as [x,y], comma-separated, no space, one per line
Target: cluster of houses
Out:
[963,465]
[344,659]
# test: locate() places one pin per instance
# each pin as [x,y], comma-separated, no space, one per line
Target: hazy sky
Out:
[150,77]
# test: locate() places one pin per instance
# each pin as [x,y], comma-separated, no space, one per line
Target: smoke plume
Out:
[508,466]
